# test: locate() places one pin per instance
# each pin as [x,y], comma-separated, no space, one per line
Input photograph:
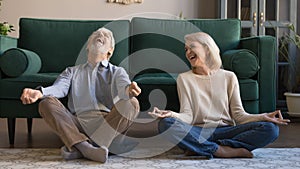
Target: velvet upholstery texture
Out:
[58,42]
[16,62]
[7,42]
[264,48]
[150,50]
[11,88]
[243,62]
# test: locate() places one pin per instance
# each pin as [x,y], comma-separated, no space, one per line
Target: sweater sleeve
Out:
[236,108]
[185,114]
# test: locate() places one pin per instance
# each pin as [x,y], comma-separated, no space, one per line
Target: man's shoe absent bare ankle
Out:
[93,153]
[229,152]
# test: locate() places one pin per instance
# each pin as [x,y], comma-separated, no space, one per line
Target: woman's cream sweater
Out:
[211,100]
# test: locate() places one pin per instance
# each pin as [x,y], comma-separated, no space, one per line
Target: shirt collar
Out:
[104,63]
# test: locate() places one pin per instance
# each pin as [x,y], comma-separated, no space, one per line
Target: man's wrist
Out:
[39,88]
[130,95]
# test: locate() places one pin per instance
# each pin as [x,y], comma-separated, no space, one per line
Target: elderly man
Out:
[101,102]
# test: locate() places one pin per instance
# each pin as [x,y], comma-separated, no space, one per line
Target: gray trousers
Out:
[68,128]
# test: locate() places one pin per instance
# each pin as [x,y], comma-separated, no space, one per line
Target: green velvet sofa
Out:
[151,50]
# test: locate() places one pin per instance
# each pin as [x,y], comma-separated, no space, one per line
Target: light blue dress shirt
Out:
[90,88]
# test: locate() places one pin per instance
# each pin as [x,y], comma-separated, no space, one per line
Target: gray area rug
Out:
[283,158]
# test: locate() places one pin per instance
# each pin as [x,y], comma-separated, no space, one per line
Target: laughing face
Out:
[195,53]
[100,46]
[98,43]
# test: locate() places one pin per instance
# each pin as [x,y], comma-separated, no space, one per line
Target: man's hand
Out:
[30,96]
[276,117]
[134,90]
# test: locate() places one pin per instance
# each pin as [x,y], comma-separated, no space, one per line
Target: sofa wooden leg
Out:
[11,123]
[29,125]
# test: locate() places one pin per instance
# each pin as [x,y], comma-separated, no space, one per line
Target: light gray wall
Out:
[12,10]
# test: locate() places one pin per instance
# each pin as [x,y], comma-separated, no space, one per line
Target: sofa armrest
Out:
[15,62]
[265,49]
[242,62]
[7,42]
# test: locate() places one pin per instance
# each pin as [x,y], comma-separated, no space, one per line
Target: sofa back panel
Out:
[225,32]
[59,42]
[159,43]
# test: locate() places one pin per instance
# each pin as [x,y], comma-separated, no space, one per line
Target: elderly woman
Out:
[212,121]
[101,102]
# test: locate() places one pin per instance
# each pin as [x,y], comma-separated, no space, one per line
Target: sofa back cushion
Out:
[158,44]
[225,32]
[59,42]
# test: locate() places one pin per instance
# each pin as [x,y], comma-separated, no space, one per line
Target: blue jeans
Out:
[205,141]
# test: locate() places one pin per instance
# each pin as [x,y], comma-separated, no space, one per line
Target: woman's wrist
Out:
[173,114]
[263,116]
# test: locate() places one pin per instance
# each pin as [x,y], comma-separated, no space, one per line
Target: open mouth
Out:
[192,57]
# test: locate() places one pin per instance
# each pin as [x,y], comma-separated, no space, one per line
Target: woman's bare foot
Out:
[229,152]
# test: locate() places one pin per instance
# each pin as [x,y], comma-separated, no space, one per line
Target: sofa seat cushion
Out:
[156,78]
[158,89]
[16,62]
[242,62]
[12,88]
[249,89]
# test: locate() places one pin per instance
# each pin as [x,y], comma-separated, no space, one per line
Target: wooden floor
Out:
[43,137]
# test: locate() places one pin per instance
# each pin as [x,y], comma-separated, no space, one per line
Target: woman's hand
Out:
[275,117]
[156,113]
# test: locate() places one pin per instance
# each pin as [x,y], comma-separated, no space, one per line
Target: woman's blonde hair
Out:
[213,60]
